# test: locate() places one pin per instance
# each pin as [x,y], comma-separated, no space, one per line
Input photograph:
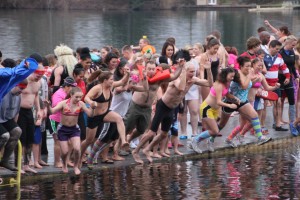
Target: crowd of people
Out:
[126,100]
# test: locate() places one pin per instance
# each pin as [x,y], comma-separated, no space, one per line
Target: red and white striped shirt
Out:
[273,68]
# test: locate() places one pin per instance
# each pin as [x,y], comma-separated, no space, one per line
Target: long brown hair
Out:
[101,75]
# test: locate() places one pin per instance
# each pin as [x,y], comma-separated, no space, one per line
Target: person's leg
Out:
[115,117]
[158,138]
[64,146]
[11,144]
[76,149]
[193,110]
[90,137]
[36,147]
[98,146]
[183,119]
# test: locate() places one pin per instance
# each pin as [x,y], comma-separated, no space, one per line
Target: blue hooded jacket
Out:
[10,77]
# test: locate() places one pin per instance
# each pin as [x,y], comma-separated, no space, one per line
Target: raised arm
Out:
[123,81]
[180,83]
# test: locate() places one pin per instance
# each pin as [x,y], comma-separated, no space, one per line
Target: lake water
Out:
[264,175]
[25,31]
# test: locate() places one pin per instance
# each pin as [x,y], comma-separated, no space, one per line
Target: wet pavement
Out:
[282,138]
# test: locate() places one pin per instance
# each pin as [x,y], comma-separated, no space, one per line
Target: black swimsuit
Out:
[95,121]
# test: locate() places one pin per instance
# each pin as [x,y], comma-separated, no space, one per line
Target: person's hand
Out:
[233,106]
[286,81]
[94,105]
[46,102]
[181,62]
[297,80]
[267,23]
[277,85]
[207,64]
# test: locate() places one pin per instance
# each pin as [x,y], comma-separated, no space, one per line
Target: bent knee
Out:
[5,137]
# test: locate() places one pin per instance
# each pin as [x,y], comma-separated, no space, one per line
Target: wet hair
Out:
[109,57]
[171,40]
[274,43]
[8,62]
[285,30]
[252,42]
[181,54]
[37,57]
[222,75]
[231,50]
[78,68]
[0,54]
[241,60]
[117,73]
[101,75]
[78,50]
[212,41]
[74,90]
[165,46]
[261,29]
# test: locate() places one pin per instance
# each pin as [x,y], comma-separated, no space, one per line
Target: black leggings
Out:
[289,93]
[163,115]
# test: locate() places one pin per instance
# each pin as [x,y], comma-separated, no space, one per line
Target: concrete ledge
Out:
[51,173]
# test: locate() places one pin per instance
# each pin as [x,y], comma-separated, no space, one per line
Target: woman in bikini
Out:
[254,100]
[210,55]
[68,128]
[102,95]
[209,109]
[240,88]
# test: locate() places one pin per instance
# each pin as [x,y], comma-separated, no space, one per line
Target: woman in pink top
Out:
[55,119]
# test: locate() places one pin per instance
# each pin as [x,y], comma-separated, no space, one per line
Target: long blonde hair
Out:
[65,57]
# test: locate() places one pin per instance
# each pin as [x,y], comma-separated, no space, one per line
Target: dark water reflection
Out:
[25,31]
[272,175]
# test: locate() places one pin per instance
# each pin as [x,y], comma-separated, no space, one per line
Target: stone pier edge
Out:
[220,152]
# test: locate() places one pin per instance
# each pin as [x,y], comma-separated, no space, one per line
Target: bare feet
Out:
[125,146]
[167,152]
[42,163]
[156,155]
[26,168]
[117,158]
[147,154]
[38,166]
[58,165]
[77,171]
[136,157]
[164,154]
[70,164]
[65,169]
[178,152]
